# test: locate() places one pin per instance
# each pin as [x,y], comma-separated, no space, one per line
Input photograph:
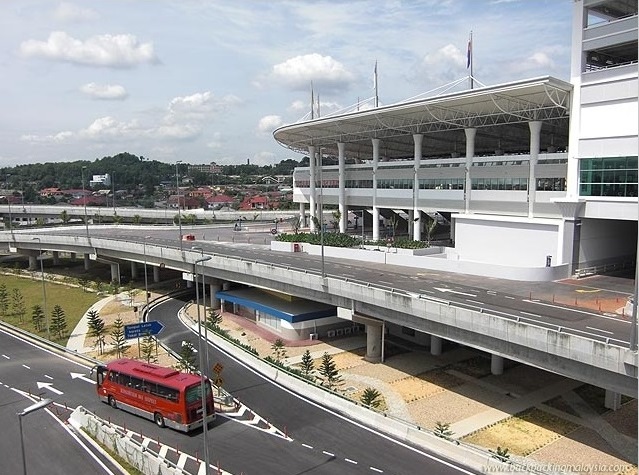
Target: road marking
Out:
[82,377]
[48,377]
[576,310]
[591,334]
[509,297]
[481,304]
[376,470]
[426,291]
[307,446]
[441,289]
[531,314]
[6,357]
[328,453]
[600,330]
[491,292]
[50,387]
[25,366]
[351,461]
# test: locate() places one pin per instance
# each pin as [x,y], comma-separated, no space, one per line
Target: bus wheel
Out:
[159,420]
[112,402]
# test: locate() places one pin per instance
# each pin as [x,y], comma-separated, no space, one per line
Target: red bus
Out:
[163,395]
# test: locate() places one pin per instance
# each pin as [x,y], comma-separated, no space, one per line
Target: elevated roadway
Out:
[491,315]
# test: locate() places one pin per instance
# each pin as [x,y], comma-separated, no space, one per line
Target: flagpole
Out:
[312,102]
[375,82]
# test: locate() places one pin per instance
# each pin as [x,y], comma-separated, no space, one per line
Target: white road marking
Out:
[25,366]
[532,314]
[376,470]
[351,461]
[491,292]
[509,297]
[50,387]
[441,289]
[481,304]
[48,377]
[328,453]
[592,314]
[82,377]
[307,446]
[6,357]
[600,330]
[426,291]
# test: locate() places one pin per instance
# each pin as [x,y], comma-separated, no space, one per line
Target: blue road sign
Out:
[137,330]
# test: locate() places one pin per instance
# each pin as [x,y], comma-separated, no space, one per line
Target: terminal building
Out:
[536,174]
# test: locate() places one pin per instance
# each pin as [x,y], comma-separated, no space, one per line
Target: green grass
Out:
[73,301]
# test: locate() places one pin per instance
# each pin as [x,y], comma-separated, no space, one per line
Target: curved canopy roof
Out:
[500,113]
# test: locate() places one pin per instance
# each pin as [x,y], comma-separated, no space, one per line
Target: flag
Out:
[469,54]
[375,77]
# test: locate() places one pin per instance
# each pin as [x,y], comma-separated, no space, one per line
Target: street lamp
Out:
[84,198]
[146,282]
[206,330]
[177,190]
[44,292]
[32,408]
[202,363]
[9,203]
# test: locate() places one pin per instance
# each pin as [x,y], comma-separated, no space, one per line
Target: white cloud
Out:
[68,12]
[104,91]
[325,72]
[269,123]
[115,51]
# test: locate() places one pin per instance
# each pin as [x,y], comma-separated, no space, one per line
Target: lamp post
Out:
[34,407]
[84,199]
[113,185]
[177,190]
[146,283]
[9,203]
[44,292]
[206,329]
[202,362]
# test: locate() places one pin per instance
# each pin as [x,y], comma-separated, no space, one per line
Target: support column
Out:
[56,258]
[435,345]
[33,262]
[496,364]
[343,211]
[612,400]
[470,154]
[417,216]
[134,270]
[72,255]
[156,274]
[302,216]
[373,343]
[312,199]
[535,141]
[115,275]
[375,208]
[215,287]
[87,262]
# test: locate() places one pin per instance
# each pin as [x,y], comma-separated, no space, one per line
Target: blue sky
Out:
[208,80]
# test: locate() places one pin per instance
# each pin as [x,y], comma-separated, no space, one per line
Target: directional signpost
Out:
[142,329]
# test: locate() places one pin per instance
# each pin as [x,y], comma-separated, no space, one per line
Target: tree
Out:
[306,364]
[64,216]
[442,429]
[83,282]
[186,358]
[214,319]
[501,454]
[58,323]
[329,372]
[96,329]
[137,219]
[4,299]
[279,350]
[19,307]
[337,216]
[117,338]
[371,397]
[147,348]
[37,317]
[431,224]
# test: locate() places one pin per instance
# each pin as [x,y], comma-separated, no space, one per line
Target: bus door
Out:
[100,372]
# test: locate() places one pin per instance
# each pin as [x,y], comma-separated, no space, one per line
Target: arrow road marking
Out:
[82,377]
[50,387]
[454,292]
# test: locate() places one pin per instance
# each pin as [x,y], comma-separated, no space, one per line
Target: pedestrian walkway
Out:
[79,333]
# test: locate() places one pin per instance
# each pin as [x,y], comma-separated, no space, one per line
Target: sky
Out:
[209,80]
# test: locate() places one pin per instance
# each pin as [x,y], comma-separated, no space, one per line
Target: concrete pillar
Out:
[312,199]
[417,220]
[470,153]
[115,276]
[72,255]
[612,400]
[376,143]
[213,289]
[302,216]
[33,262]
[496,364]
[56,258]
[435,345]
[373,343]
[341,147]
[87,262]
[535,141]
[134,270]
[156,274]
[226,286]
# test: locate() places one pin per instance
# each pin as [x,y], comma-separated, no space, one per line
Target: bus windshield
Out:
[194,393]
